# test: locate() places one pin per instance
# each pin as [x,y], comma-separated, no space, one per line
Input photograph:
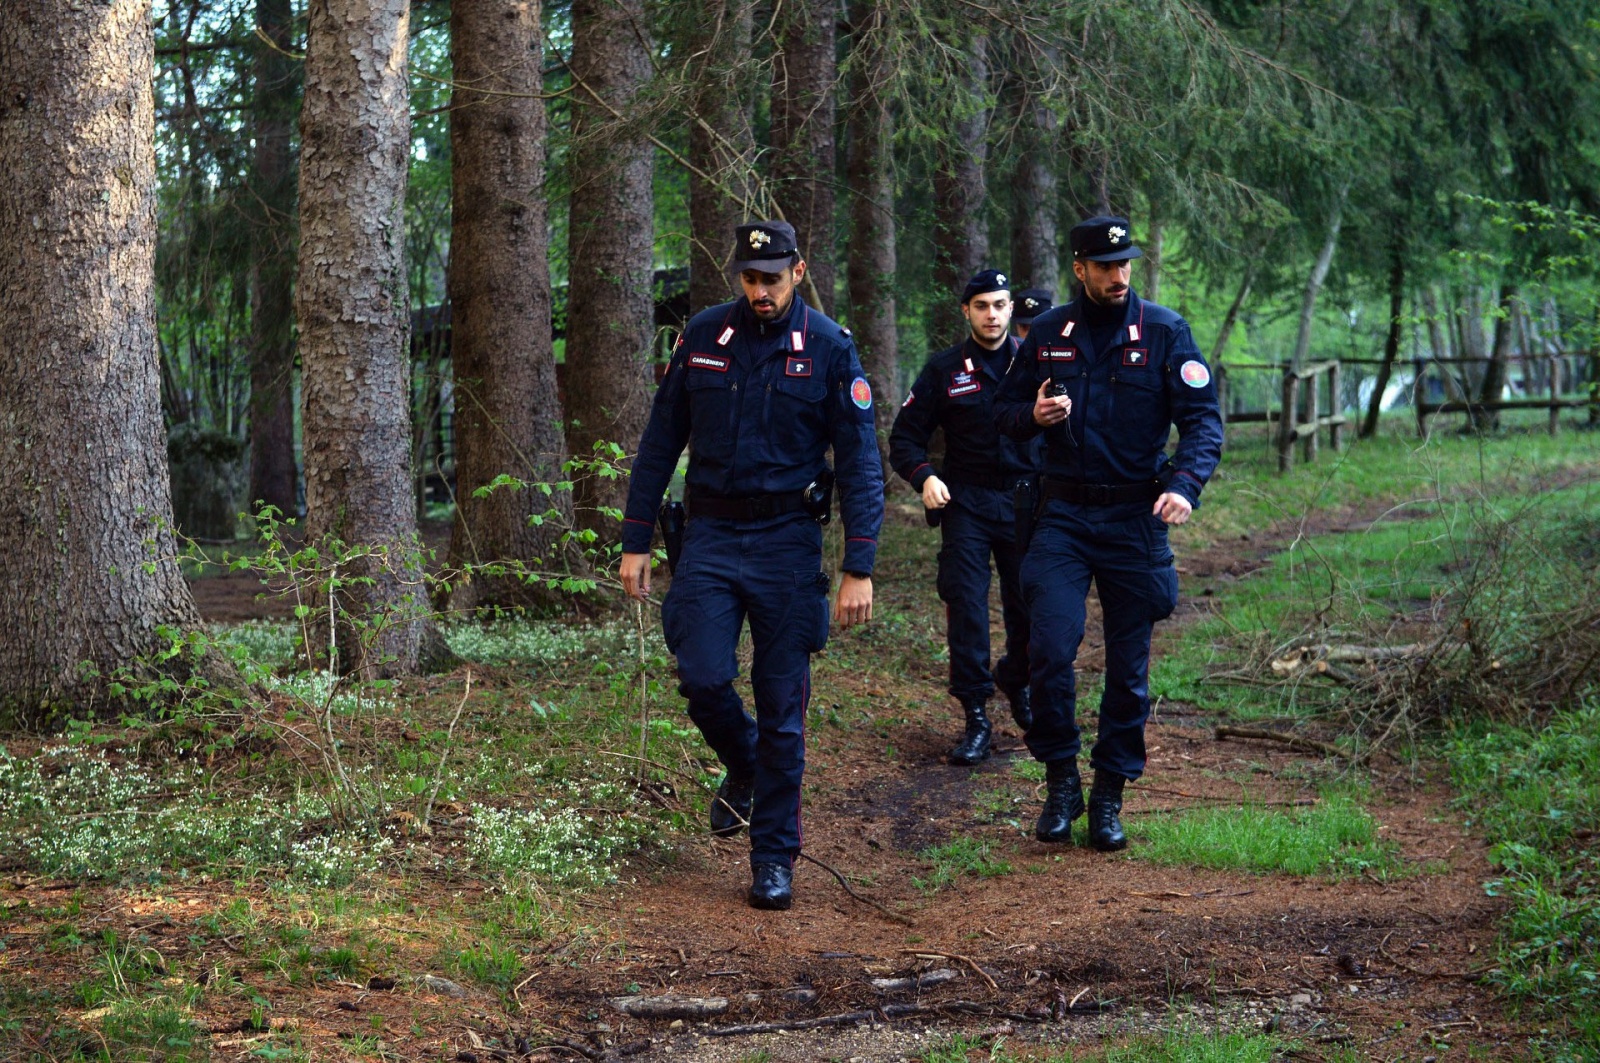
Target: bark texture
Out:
[85,510]
[1035,237]
[961,234]
[721,146]
[1497,370]
[870,174]
[803,74]
[272,243]
[507,410]
[351,302]
[610,312]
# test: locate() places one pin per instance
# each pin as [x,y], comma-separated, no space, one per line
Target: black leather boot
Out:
[771,887]
[1021,707]
[1063,802]
[1105,806]
[974,745]
[730,809]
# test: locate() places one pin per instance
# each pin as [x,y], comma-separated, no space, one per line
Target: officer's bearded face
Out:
[1105,282]
[989,316]
[771,293]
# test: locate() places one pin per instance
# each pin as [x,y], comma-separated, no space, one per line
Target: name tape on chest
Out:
[962,383]
[710,361]
[1058,354]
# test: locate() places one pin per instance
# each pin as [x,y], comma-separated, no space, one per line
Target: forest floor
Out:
[1026,949]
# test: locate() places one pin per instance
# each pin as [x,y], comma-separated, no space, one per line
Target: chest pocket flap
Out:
[805,388]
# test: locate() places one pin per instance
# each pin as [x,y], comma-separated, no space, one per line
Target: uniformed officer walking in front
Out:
[973,501]
[758,389]
[1103,379]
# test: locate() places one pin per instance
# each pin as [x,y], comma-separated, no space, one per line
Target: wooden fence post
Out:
[1286,417]
[1308,448]
[1555,394]
[1419,392]
[1335,410]
[1222,393]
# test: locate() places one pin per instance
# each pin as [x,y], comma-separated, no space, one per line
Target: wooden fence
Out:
[1553,400]
[1311,395]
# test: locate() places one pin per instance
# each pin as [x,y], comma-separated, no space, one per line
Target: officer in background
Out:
[1029,304]
[1103,379]
[973,497]
[758,389]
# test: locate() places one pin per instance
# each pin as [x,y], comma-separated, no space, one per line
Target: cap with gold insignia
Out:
[768,246]
[1030,303]
[1105,238]
[983,281]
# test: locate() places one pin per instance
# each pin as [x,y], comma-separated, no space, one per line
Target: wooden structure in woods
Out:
[1310,410]
[1556,372]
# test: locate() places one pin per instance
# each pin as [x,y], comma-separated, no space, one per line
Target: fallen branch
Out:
[981,973]
[903,920]
[1308,745]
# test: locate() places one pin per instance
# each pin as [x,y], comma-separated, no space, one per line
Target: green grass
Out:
[1535,794]
[1336,837]
[1174,1046]
[960,856]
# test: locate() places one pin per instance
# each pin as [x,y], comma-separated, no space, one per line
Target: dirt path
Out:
[1071,945]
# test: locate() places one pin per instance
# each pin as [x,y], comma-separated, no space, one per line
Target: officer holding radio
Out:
[758,389]
[1103,379]
[972,499]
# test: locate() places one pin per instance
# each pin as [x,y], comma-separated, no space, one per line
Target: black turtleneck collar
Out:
[1098,315]
[777,324]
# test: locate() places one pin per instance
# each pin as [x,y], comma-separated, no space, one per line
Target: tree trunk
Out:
[610,311]
[871,269]
[961,233]
[1440,346]
[1155,233]
[1231,318]
[85,510]
[1319,273]
[721,146]
[1495,373]
[507,411]
[1391,343]
[351,304]
[1035,256]
[272,239]
[803,75]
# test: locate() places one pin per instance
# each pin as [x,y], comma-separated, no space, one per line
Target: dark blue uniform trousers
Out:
[1124,551]
[770,573]
[975,525]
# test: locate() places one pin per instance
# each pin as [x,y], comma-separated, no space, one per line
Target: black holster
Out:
[672,518]
[1025,498]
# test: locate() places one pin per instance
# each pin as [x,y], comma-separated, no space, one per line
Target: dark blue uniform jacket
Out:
[1125,399]
[759,403]
[956,391]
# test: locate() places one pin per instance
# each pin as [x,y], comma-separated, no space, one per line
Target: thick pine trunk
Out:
[272,254]
[721,146]
[1035,261]
[803,75]
[1391,343]
[871,269]
[352,308]
[961,233]
[85,509]
[507,411]
[610,312]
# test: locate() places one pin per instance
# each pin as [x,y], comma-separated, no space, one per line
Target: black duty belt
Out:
[1099,494]
[996,481]
[751,507]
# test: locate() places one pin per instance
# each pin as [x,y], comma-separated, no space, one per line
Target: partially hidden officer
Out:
[1125,372]
[972,496]
[758,389]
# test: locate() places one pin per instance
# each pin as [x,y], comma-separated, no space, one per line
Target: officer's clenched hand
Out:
[855,600]
[635,573]
[934,493]
[1050,409]
[1173,508]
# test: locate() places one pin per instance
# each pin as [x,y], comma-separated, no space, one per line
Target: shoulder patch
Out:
[1195,373]
[861,393]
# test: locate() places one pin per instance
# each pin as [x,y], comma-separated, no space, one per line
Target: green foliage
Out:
[1535,794]
[960,856]
[553,842]
[1336,838]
